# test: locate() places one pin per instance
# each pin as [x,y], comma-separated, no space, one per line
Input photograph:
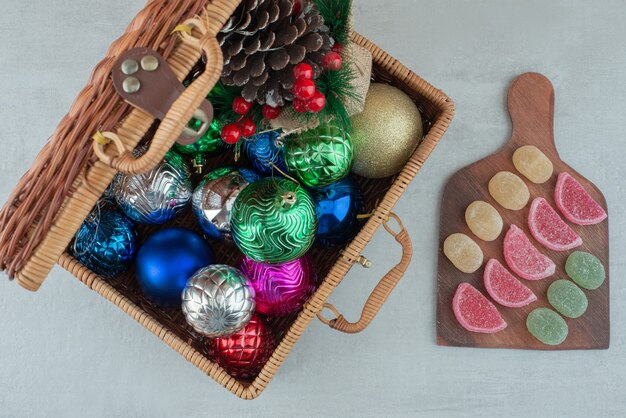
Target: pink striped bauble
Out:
[281,289]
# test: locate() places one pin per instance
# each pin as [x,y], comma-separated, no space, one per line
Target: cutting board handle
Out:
[531,106]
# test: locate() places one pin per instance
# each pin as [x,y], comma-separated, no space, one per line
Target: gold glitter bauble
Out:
[386,133]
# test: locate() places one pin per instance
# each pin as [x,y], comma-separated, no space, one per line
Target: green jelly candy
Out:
[547,326]
[567,298]
[585,269]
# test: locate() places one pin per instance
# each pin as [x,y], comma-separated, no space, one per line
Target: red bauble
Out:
[247,127]
[270,112]
[303,70]
[304,88]
[300,106]
[317,102]
[231,133]
[332,61]
[241,106]
[244,353]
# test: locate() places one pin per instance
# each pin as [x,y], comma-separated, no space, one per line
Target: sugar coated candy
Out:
[575,203]
[474,311]
[523,258]
[463,252]
[547,227]
[567,298]
[533,164]
[509,190]
[547,326]
[585,269]
[505,288]
[483,220]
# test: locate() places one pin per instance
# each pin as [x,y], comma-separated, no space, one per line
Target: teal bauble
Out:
[209,145]
[274,221]
[320,156]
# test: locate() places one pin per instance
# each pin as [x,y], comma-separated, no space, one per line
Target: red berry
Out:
[304,88]
[270,112]
[338,48]
[247,127]
[303,70]
[317,102]
[332,61]
[231,133]
[297,7]
[300,106]
[241,106]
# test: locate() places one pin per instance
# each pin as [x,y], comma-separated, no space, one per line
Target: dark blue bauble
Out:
[262,150]
[106,243]
[167,259]
[337,206]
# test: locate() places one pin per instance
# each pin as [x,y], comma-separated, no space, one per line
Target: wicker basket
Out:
[70,174]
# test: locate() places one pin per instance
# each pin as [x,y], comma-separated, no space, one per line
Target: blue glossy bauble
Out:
[337,206]
[167,259]
[262,150]
[106,243]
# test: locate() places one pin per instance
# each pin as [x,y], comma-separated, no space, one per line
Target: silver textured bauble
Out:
[218,301]
[157,196]
[213,202]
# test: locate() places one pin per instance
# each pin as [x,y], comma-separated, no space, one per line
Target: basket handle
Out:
[382,290]
[215,16]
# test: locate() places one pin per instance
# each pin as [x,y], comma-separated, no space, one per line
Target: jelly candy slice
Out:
[504,288]
[575,203]
[585,269]
[509,190]
[483,220]
[547,326]
[533,164]
[463,252]
[523,258]
[549,229]
[567,298]
[474,311]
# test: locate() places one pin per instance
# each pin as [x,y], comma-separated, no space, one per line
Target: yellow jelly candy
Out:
[509,190]
[463,252]
[533,164]
[483,220]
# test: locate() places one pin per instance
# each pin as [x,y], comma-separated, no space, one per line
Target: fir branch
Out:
[339,92]
[336,14]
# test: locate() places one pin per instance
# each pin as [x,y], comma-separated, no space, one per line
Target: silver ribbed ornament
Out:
[157,196]
[213,202]
[218,301]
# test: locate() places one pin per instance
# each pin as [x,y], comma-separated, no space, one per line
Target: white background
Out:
[65,351]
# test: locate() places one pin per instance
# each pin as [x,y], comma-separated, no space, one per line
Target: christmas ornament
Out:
[271,112]
[332,61]
[337,206]
[319,156]
[304,88]
[303,70]
[264,40]
[247,127]
[106,243]
[231,133]
[241,106]
[265,153]
[280,289]
[209,145]
[273,221]
[167,259]
[157,196]
[386,133]
[247,173]
[244,353]
[316,103]
[218,301]
[212,203]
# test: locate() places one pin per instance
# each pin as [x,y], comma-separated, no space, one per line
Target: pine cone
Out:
[264,40]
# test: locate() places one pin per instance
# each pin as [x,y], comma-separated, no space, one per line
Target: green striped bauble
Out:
[320,156]
[273,221]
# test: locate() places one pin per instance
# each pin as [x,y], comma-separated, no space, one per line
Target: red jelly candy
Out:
[547,227]
[575,203]
[523,258]
[504,288]
[474,311]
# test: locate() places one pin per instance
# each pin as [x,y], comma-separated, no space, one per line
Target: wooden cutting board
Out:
[531,106]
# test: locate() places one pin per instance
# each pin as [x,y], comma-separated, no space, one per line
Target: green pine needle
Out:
[338,89]
[336,14]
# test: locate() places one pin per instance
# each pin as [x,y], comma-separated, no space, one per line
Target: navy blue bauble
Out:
[262,150]
[337,206]
[167,259]
[106,243]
